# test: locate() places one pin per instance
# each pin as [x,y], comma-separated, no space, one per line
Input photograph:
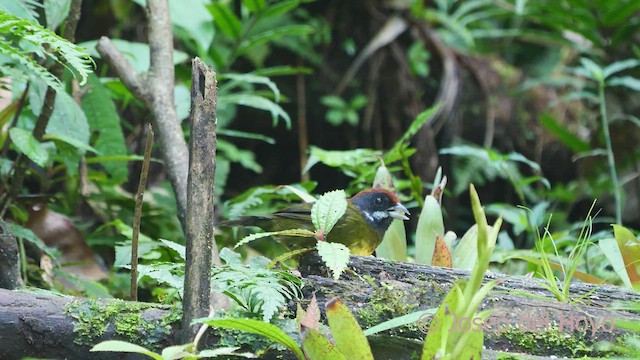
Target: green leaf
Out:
[256,327]
[619,66]
[192,16]
[346,331]
[68,121]
[239,79]
[257,102]
[611,250]
[435,344]
[71,141]
[430,226]
[126,347]
[626,81]
[346,160]
[225,19]
[243,157]
[394,243]
[246,135]
[271,35]
[254,5]
[334,255]
[301,193]
[418,123]
[280,8]
[28,145]
[630,249]
[465,254]
[329,208]
[28,235]
[56,11]
[595,71]
[58,49]
[319,347]
[176,352]
[412,318]
[23,9]
[223,351]
[180,249]
[332,101]
[104,120]
[563,134]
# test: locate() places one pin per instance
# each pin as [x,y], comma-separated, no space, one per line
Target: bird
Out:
[368,216]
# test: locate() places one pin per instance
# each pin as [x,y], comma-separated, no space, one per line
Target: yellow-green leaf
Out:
[346,331]
[430,226]
[319,347]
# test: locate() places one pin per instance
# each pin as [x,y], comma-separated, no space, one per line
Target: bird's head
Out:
[379,207]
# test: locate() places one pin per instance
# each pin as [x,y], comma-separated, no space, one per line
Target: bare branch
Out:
[123,70]
[160,83]
[156,91]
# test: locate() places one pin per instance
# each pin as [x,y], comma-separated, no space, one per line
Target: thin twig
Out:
[137,214]
[303,138]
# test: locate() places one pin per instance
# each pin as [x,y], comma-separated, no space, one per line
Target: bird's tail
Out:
[244,221]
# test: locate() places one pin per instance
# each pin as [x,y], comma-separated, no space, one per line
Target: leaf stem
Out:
[610,158]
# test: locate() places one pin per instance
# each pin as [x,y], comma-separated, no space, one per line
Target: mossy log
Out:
[47,326]
[526,317]
[375,290]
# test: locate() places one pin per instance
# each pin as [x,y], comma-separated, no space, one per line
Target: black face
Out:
[375,208]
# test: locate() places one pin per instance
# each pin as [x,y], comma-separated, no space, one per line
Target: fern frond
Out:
[26,65]
[68,54]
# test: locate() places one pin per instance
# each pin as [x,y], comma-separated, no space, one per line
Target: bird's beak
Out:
[399,212]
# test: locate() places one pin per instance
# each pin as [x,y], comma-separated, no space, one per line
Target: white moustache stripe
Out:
[380,215]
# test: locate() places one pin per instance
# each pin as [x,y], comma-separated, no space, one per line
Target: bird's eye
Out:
[378,201]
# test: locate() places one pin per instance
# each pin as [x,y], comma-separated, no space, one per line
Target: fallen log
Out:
[526,318]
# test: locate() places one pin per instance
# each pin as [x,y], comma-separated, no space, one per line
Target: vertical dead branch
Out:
[201,249]
[137,214]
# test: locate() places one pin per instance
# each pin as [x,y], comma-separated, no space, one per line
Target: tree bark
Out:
[156,91]
[200,244]
[375,290]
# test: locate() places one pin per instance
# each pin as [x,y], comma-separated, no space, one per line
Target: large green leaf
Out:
[257,102]
[103,119]
[56,11]
[126,347]
[319,347]
[611,250]
[430,226]
[68,120]
[225,19]
[572,141]
[346,331]
[326,212]
[256,327]
[28,145]
[26,9]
